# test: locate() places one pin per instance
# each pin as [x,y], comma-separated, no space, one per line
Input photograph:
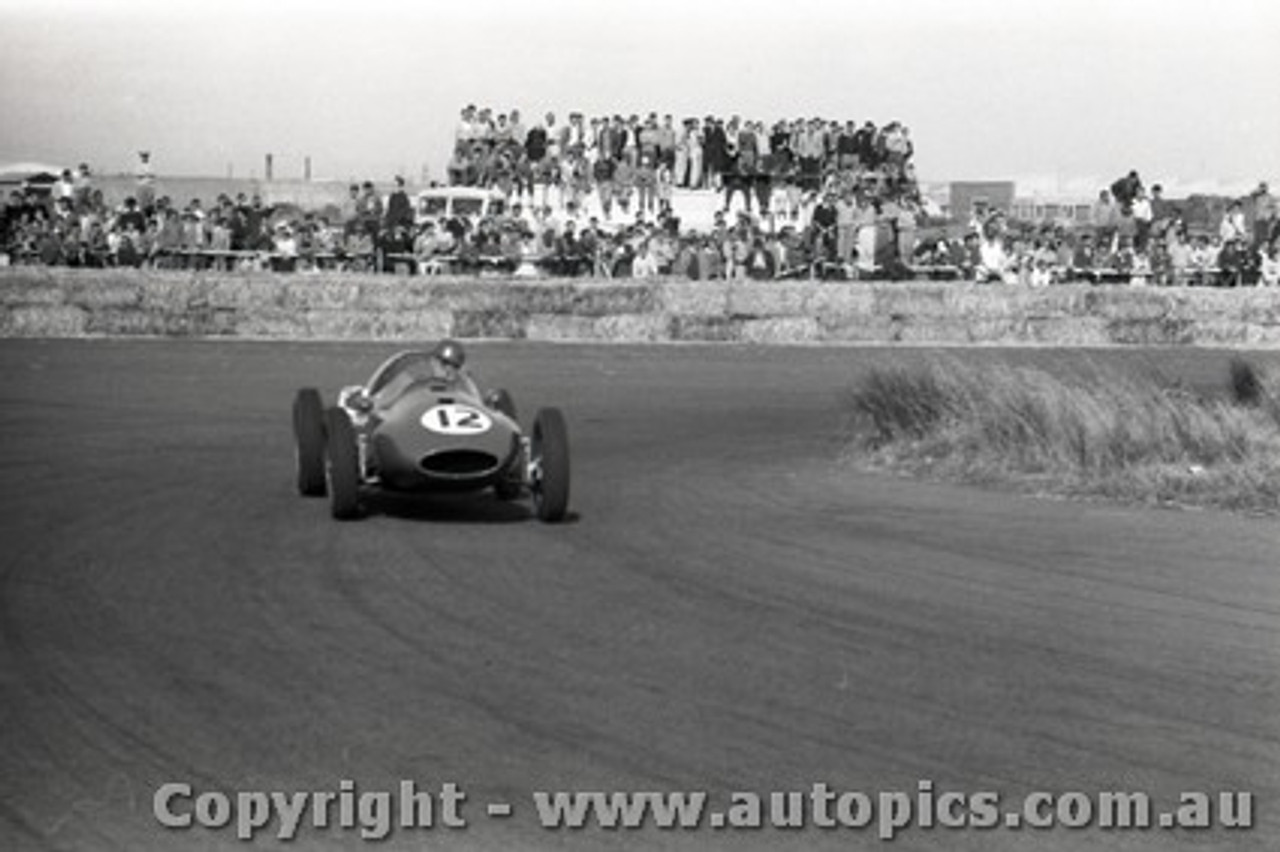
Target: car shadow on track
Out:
[449,508]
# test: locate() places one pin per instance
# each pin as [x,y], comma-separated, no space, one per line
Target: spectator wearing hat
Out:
[399,210]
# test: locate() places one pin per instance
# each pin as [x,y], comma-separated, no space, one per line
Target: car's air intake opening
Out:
[459,463]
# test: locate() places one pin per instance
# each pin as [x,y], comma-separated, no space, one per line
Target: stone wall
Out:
[44,302]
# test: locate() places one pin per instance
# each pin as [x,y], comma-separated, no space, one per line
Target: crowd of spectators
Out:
[830,200]
[72,225]
[1135,236]
[618,158]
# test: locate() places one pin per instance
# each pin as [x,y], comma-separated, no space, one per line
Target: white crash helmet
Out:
[450,353]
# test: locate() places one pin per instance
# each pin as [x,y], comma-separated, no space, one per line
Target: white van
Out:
[439,204]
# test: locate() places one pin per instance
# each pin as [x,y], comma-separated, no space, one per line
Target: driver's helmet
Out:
[450,354]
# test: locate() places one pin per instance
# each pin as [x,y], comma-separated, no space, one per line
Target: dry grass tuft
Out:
[1097,433]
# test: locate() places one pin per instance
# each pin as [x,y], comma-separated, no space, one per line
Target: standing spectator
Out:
[466,131]
[667,143]
[145,191]
[220,241]
[665,181]
[517,129]
[368,209]
[457,170]
[603,172]
[648,139]
[905,229]
[349,210]
[399,209]
[810,147]
[846,227]
[646,181]
[631,141]
[865,145]
[255,222]
[689,173]
[64,188]
[1161,210]
[714,151]
[536,141]
[847,147]
[1126,226]
[1179,258]
[624,177]
[1142,217]
[1104,215]
[81,187]
[554,149]
[1264,210]
[823,226]
[1126,189]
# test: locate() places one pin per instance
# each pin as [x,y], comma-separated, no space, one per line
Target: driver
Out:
[447,360]
[442,365]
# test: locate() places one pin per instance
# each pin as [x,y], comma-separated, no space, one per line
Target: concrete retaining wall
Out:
[41,302]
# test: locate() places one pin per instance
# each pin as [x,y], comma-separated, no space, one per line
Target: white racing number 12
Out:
[454,419]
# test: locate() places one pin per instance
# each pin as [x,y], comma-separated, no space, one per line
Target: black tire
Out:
[309,440]
[342,466]
[501,400]
[549,447]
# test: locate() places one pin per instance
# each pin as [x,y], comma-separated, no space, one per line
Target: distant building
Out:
[966,197]
[1054,209]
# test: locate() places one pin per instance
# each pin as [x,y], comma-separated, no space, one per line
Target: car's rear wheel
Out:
[549,465]
[342,466]
[309,440]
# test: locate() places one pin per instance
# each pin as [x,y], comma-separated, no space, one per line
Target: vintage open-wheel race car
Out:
[421,425]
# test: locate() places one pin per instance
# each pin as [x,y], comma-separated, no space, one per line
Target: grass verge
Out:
[1097,432]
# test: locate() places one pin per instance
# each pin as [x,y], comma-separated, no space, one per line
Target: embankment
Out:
[43,302]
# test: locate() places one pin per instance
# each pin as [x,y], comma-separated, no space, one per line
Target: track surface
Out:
[730,610]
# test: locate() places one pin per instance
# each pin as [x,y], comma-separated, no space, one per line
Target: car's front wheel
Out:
[549,465]
[342,466]
[309,441]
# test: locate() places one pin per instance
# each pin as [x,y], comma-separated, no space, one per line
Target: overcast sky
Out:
[989,88]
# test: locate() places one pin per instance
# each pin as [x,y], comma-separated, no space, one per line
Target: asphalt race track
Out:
[728,609]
